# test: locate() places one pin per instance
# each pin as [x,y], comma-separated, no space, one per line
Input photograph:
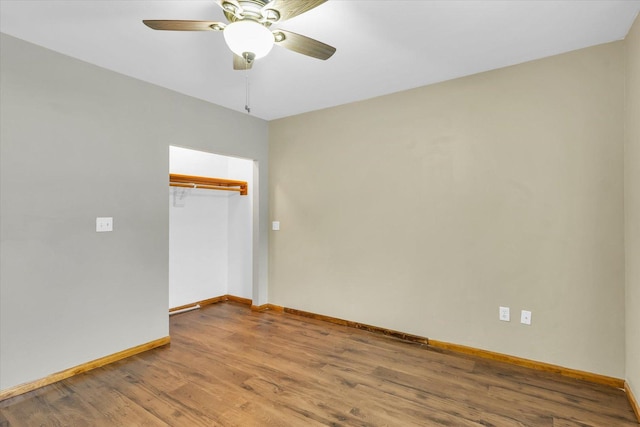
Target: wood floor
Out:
[228,366]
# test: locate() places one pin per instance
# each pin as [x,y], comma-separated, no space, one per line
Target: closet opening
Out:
[210,228]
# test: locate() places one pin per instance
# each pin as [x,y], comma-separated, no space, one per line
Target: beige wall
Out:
[632,207]
[423,211]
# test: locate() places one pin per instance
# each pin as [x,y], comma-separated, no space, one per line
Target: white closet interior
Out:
[210,236]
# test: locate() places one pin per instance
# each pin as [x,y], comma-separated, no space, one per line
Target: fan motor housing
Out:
[254,10]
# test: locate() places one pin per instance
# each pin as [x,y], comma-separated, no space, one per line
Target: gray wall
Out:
[632,207]
[424,211]
[79,142]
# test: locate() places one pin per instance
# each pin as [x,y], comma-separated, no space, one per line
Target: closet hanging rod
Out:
[208,183]
[203,186]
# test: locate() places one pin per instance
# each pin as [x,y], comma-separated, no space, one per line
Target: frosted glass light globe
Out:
[248,36]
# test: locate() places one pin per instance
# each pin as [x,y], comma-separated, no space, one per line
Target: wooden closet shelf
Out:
[208,183]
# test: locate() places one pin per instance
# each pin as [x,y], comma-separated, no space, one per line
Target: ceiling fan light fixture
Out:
[248,37]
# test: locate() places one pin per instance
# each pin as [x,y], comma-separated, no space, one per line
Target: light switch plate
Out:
[104,224]
[525,317]
[275,225]
[504,314]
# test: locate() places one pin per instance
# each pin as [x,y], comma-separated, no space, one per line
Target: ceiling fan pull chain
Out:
[246,104]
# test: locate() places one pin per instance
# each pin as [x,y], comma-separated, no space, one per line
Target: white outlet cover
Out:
[275,225]
[504,314]
[104,224]
[525,317]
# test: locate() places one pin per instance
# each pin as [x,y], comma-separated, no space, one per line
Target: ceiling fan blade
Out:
[239,63]
[288,9]
[173,25]
[303,44]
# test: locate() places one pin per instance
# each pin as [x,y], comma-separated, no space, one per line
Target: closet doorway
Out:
[210,230]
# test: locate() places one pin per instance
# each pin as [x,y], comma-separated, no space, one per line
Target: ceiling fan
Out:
[248,32]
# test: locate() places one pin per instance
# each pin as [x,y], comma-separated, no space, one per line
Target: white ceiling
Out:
[383,46]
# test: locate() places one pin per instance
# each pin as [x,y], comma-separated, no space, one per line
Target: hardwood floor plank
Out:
[573,413]
[156,395]
[112,405]
[230,366]
[518,375]
[457,397]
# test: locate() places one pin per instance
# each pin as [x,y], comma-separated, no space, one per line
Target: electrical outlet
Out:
[104,224]
[504,314]
[525,317]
